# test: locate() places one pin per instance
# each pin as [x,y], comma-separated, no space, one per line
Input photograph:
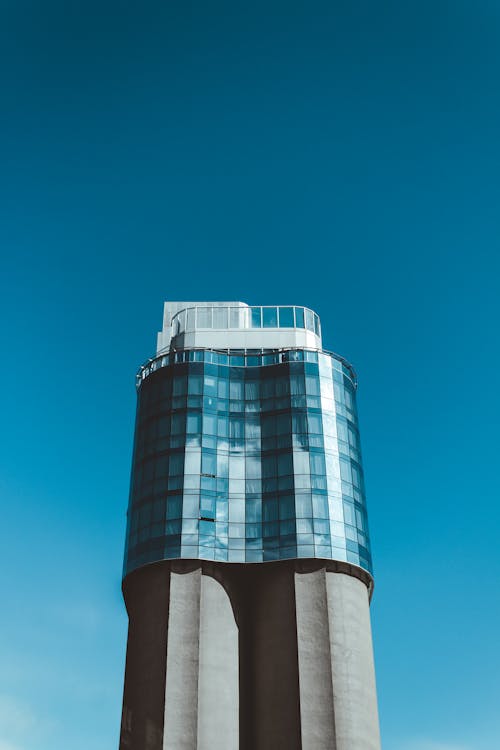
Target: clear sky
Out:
[341,155]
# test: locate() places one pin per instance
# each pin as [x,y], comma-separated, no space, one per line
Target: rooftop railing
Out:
[263,316]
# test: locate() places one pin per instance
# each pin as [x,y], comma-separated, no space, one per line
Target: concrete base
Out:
[273,656]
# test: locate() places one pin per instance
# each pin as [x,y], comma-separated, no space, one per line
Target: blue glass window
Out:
[207,506]
[286,317]
[345,470]
[237,317]
[270,317]
[286,507]
[320,506]
[174,506]
[204,317]
[256,318]
[299,317]
[209,463]
[193,423]
[220,317]
[176,464]
[318,464]
[303,506]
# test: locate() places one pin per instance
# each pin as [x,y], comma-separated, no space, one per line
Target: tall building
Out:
[247,574]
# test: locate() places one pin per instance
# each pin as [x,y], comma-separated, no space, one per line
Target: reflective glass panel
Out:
[204,317]
[256,317]
[299,317]
[237,317]
[286,317]
[270,317]
[220,315]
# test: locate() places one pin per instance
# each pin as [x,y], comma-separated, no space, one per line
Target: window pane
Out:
[220,317]
[207,507]
[312,385]
[236,317]
[320,506]
[309,320]
[315,423]
[256,314]
[193,423]
[270,317]
[301,462]
[174,507]
[209,424]
[192,462]
[204,319]
[178,423]
[209,464]
[303,507]
[286,317]
[318,464]
[176,465]
[286,507]
[195,384]
[345,470]
[299,317]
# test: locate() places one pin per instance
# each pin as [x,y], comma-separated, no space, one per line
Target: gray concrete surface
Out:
[314,662]
[353,671]
[181,688]
[218,688]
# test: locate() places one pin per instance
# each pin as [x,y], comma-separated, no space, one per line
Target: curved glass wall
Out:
[242,317]
[247,460]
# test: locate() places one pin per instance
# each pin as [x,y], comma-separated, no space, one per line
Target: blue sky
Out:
[340,155]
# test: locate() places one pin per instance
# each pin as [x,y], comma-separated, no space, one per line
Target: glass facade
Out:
[248,456]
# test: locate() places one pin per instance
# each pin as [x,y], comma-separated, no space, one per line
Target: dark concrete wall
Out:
[147,599]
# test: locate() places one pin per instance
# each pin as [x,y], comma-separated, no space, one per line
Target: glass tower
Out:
[247,571]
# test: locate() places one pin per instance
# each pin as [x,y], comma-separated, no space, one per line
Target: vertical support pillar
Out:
[353,672]
[146,596]
[315,676]
[218,690]
[201,689]
[181,687]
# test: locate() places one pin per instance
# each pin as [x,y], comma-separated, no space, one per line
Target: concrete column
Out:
[353,673]
[181,687]
[147,596]
[314,662]
[218,688]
